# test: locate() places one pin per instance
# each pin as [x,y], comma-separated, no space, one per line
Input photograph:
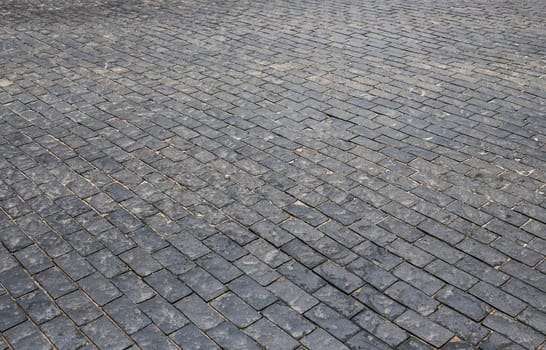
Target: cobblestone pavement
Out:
[272,174]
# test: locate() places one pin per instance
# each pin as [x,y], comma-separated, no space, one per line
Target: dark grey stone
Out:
[230,338]
[63,334]
[190,337]
[163,314]
[235,310]
[107,336]
[126,314]
[38,306]
[199,312]
[270,336]
[79,307]
[10,313]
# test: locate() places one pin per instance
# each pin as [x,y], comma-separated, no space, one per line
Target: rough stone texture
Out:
[272,174]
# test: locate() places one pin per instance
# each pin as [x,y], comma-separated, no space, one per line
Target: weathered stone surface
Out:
[288,174]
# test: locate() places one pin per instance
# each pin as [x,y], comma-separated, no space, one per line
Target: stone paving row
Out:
[272,174]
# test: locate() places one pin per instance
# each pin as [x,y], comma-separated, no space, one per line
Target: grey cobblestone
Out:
[10,313]
[331,321]
[236,310]
[189,337]
[164,315]
[106,335]
[270,336]
[288,174]
[78,307]
[380,328]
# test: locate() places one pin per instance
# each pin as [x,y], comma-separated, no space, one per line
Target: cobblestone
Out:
[279,175]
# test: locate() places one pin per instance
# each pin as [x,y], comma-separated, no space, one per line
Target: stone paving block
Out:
[190,337]
[351,158]
[17,282]
[256,269]
[534,318]
[33,259]
[498,298]
[79,307]
[14,239]
[63,334]
[167,285]
[414,344]
[172,259]
[115,240]
[106,263]
[74,266]
[106,335]
[224,246]
[419,279]
[238,233]
[199,312]
[321,340]
[371,273]
[267,253]
[152,338]
[220,268]
[340,233]
[229,337]
[526,292]
[424,328]
[190,246]
[83,242]
[516,331]
[10,313]
[235,310]
[148,239]
[53,244]
[465,328]
[451,274]
[100,289]
[333,250]
[401,229]
[331,321]
[497,340]
[163,314]
[517,251]
[463,303]
[412,298]
[440,231]
[309,215]
[377,255]
[410,253]
[372,232]
[301,230]
[524,273]
[482,252]
[301,276]
[380,327]
[140,261]
[203,283]
[126,314]
[251,292]
[26,336]
[291,294]
[38,306]
[289,320]
[270,336]
[133,287]
[439,249]
[379,302]
[364,340]
[338,300]
[482,271]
